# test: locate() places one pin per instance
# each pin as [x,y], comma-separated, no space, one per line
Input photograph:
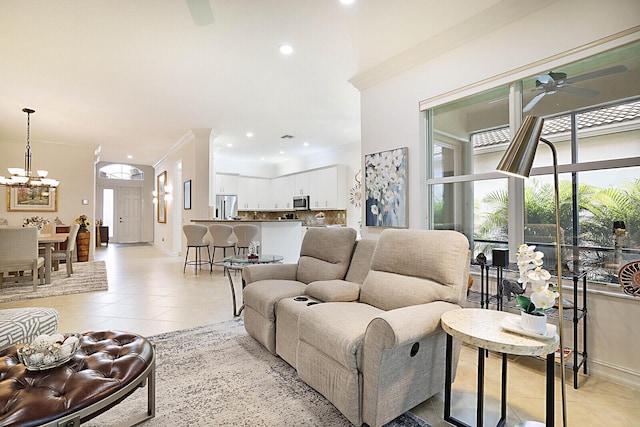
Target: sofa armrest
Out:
[395,328]
[403,360]
[254,273]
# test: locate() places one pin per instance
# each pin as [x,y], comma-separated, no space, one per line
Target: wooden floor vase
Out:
[82,244]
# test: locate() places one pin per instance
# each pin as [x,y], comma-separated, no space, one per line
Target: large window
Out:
[121,171]
[592,116]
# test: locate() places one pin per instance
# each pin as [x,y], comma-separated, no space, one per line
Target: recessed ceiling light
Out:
[306,144]
[286,49]
[281,152]
[261,158]
[129,156]
[347,1]
[229,145]
[249,134]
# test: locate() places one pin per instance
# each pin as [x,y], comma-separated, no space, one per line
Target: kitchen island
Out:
[277,237]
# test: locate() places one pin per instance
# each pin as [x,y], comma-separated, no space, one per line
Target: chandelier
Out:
[24,177]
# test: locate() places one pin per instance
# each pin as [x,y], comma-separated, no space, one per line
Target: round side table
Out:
[482,328]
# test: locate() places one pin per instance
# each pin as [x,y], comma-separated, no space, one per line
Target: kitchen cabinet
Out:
[302,183]
[282,191]
[328,188]
[254,193]
[226,183]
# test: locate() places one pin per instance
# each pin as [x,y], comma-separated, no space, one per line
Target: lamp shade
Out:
[518,159]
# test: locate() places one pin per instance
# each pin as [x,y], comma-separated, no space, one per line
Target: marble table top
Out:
[481,328]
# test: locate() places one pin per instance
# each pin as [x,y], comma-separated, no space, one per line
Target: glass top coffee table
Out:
[237,263]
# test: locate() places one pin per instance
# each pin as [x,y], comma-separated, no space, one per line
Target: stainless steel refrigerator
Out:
[226,206]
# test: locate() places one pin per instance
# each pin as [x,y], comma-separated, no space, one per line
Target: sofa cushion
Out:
[337,330]
[333,290]
[263,296]
[389,291]
[412,267]
[361,260]
[325,254]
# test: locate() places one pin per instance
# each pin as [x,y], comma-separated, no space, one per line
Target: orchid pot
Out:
[536,323]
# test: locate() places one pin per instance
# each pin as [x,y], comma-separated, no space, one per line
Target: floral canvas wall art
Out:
[386,188]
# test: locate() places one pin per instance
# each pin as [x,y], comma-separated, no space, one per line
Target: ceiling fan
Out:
[200,12]
[553,82]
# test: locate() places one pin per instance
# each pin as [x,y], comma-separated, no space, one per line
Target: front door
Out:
[129,212]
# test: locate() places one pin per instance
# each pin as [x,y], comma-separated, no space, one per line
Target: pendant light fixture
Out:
[23,177]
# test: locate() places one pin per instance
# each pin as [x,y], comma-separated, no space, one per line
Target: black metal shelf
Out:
[575,314]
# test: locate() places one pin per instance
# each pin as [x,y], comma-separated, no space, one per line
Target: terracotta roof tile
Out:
[590,119]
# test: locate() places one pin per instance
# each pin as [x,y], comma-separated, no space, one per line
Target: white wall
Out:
[192,155]
[390,119]
[73,166]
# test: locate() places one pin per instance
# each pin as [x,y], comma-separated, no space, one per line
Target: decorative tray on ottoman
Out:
[49,351]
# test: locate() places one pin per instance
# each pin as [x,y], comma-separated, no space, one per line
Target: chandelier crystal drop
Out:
[23,177]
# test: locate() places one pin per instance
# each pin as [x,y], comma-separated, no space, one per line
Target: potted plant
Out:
[543,296]
[84,222]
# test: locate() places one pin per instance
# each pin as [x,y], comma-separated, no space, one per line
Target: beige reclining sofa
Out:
[370,341]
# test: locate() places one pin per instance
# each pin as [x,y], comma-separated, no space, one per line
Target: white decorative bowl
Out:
[49,351]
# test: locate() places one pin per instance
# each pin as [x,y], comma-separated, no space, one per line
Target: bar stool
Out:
[221,234]
[195,239]
[246,233]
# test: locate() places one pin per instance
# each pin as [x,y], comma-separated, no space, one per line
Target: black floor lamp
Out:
[517,161]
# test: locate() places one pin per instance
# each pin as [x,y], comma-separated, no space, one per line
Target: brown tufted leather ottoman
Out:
[107,368]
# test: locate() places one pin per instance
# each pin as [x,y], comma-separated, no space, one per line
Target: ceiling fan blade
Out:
[200,12]
[580,91]
[533,102]
[597,73]
[544,79]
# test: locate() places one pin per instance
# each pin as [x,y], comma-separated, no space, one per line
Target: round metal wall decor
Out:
[629,278]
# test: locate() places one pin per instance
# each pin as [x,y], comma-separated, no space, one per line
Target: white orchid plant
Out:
[35,222]
[543,296]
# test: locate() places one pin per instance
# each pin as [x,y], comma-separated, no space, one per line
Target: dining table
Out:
[49,241]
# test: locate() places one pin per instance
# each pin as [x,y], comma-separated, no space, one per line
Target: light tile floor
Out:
[149,294]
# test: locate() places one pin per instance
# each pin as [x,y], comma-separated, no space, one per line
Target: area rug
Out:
[217,375]
[86,277]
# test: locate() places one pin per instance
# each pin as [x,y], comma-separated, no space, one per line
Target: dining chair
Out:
[19,252]
[245,233]
[195,234]
[221,235]
[67,254]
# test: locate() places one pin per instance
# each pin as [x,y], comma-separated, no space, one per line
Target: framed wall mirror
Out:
[162,198]
[187,195]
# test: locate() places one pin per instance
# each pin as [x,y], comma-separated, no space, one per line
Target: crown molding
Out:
[485,22]
[188,136]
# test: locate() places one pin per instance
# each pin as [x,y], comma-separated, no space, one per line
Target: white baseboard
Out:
[167,251]
[616,374]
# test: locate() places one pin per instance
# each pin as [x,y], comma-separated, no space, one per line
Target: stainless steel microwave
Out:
[301,203]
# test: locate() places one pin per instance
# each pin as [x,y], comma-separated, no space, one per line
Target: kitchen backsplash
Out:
[331,217]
